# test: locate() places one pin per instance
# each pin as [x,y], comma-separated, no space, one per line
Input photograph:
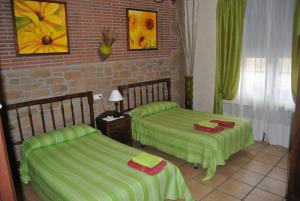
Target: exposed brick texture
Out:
[99,77]
[86,20]
[32,77]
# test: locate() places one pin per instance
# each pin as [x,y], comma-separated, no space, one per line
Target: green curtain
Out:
[230,20]
[296,48]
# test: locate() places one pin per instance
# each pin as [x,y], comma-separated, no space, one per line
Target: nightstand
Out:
[119,129]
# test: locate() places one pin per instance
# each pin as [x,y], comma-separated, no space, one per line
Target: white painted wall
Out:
[205,64]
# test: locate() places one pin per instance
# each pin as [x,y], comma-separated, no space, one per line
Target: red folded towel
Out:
[225,124]
[209,130]
[151,171]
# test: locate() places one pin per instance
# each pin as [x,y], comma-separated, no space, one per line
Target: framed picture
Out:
[40,27]
[142,29]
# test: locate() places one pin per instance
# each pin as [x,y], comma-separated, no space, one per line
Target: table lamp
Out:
[116,96]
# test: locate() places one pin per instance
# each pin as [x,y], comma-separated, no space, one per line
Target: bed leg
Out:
[142,145]
[196,166]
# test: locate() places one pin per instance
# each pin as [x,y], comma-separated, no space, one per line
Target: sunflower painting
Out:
[142,29]
[41,27]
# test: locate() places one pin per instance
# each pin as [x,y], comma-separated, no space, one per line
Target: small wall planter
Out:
[105,47]
[105,51]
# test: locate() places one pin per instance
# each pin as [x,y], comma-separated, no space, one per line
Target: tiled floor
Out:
[257,173]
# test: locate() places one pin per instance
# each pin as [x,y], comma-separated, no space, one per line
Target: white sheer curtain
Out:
[265,94]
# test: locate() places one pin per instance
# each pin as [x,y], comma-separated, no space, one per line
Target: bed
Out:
[76,162]
[160,123]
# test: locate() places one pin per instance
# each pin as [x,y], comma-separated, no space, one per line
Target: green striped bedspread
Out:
[89,166]
[171,130]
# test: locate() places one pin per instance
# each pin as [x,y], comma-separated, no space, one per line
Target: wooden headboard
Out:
[40,109]
[141,93]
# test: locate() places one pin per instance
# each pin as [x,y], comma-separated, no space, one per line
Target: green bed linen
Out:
[93,167]
[172,131]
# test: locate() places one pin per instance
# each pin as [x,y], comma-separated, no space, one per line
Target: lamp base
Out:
[117,114]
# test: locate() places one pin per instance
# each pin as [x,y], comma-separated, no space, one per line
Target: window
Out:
[254,82]
[254,77]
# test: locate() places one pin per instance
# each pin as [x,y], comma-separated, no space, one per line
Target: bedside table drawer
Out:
[121,136]
[119,126]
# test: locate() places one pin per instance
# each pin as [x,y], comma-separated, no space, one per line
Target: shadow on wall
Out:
[10,150]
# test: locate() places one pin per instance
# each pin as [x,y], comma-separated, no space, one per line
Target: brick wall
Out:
[99,77]
[86,20]
[30,77]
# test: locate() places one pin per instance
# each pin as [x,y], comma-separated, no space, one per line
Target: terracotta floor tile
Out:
[248,177]
[188,171]
[258,166]
[235,188]
[214,182]
[219,196]
[273,186]
[198,190]
[227,169]
[283,163]
[260,195]
[248,153]
[238,161]
[186,179]
[275,150]
[27,187]
[29,193]
[280,174]
[267,158]
[257,146]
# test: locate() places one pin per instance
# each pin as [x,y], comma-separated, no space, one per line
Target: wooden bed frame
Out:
[148,91]
[50,101]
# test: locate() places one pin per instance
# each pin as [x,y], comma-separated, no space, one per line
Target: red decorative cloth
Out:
[209,130]
[150,171]
[225,124]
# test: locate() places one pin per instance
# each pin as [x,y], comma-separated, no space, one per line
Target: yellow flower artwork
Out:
[142,29]
[41,27]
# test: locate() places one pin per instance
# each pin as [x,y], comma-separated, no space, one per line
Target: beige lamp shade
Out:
[115,96]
